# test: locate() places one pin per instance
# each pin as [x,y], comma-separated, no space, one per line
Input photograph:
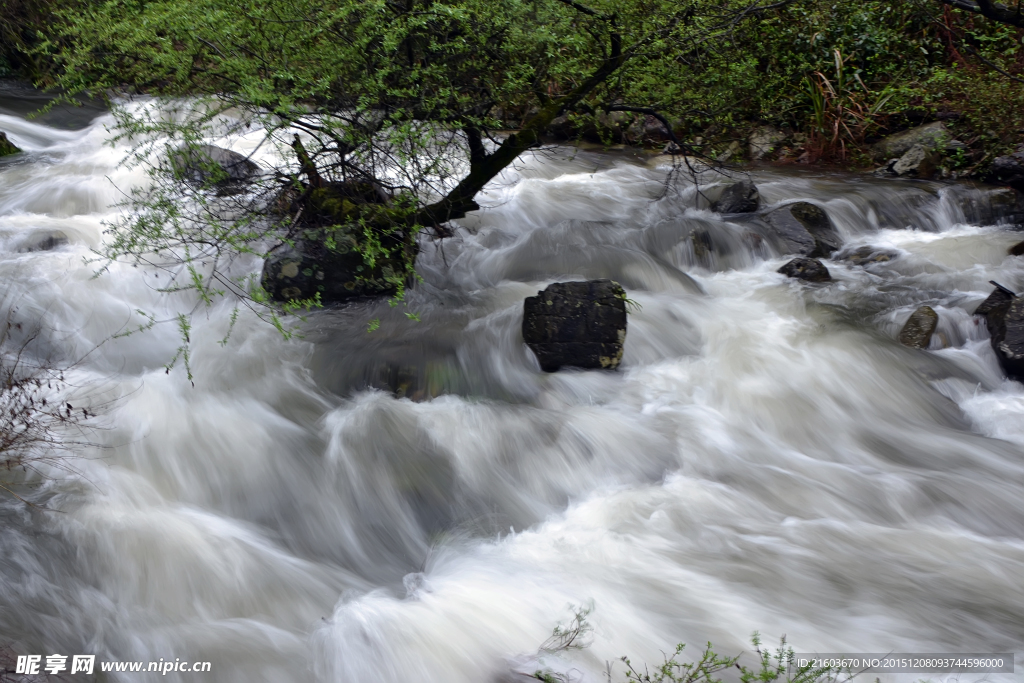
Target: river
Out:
[767,458]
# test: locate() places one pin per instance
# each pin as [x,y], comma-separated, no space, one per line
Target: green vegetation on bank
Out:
[837,71]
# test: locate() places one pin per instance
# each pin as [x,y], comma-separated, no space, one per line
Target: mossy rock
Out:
[331,264]
[6,146]
[329,257]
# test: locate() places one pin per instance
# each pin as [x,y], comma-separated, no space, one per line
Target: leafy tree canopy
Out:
[386,112]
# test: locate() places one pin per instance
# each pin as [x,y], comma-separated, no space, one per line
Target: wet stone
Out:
[577,324]
[917,332]
[703,247]
[809,269]
[6,146]
[202,164]
[1004,316]
[804,229]
[1016,250]
[44,241]
[867,255]
[741,197]
[1010,350]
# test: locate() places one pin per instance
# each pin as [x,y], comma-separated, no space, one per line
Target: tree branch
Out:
[990,10]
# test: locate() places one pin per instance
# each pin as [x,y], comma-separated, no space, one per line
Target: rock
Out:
[1007,205]
[578,324]
[1008,170]
[1010,349]
[930,136]
[918,162]
[885,171]
[6,146]
[203,164]
[337,274]
[561,128]
[763,141]
[917,333]
[654,130]
[703,246]
[672,148]
[1016,250]
[809,269]
[993,206]
[43,241]
[867,255]
[326,257]
[804,229]
[732,150]
[1004,316]
[741,197]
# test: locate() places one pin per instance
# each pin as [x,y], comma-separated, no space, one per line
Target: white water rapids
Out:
[767,458]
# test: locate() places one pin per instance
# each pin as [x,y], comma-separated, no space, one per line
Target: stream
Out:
[422,503]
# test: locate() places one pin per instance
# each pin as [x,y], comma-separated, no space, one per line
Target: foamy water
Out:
[767,458]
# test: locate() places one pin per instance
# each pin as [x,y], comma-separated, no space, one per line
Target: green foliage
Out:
[778,666]
[844,71]
[379,119]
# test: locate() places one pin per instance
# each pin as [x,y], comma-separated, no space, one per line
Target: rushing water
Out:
[767,458]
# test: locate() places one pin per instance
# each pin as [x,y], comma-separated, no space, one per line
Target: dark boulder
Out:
[330,255]
[1004,316]
[330,263]
[741,197]
[1010,349]
[204,165]
[1008,170]
[43,241]
[578,324]
[917,332]
[993,206]
[1016,250]
[804,229]
[6,146]
[809,269]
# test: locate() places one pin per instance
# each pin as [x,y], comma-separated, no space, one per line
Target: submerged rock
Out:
[6,146]
[809,269]
[866,255]
[1004,316]
[917,332]
[203,164]
[703,246]
[741,197]
[804,229]
[577,324]
[44,241]
[993,206]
